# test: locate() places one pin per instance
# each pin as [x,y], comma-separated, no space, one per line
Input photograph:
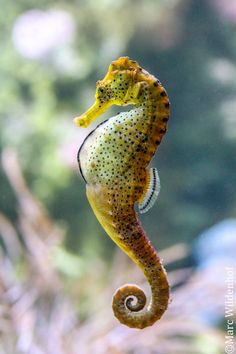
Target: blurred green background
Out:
[52,54]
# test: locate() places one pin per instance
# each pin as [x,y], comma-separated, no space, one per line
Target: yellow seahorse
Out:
[113,161]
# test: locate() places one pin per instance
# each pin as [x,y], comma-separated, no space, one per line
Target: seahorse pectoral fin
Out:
[151,192]
[91,114]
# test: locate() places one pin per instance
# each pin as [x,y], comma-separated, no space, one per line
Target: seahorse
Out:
[113,161]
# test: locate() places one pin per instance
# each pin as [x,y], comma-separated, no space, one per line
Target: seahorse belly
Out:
[108,153]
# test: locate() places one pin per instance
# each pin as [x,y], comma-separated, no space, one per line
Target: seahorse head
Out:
[120,86]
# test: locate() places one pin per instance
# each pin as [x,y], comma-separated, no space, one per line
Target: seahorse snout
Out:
[91,114]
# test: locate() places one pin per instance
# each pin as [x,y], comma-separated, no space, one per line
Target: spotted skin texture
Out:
[114,161]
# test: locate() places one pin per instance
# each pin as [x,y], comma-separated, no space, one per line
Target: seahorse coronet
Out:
[114,161]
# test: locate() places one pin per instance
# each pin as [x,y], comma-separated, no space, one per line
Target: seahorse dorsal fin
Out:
[152,191]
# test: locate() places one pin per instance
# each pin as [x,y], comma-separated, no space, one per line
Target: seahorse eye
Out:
[101,93]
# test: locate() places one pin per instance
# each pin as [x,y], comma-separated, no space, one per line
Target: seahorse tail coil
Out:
[129,301]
